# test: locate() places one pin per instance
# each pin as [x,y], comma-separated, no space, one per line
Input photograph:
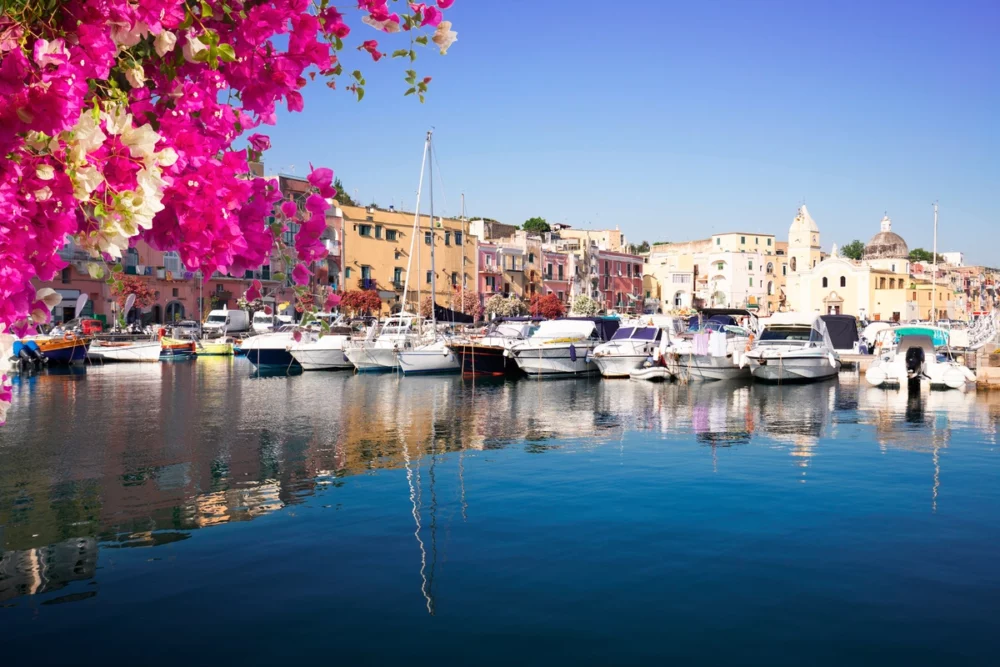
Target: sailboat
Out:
[434,356]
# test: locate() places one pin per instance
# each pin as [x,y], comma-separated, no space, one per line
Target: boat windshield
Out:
[787,333]
[640,333]
[260,317]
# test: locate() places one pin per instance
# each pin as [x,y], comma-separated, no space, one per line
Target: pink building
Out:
[556,274]
[619,277]
[490,271]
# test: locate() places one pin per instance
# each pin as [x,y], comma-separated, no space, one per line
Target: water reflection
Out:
[123,456]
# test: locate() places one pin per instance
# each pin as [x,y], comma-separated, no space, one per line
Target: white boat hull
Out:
[793,368]
[321,360]
[373,359]
[554,360]
[137,352]
[936,375]
[428,359]
[618,365]
[707,368]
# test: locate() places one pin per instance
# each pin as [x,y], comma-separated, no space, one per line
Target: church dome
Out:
[887,244]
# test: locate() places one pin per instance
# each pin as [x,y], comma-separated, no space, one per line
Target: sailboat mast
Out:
[461,303]
[934,316]
[430,152]
[416,232]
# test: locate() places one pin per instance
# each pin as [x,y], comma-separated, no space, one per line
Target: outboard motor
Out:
[914,362]
[29,356]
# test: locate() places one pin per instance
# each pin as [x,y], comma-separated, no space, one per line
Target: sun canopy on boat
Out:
[565,329]
[784,322]
[939,336]
[442,314]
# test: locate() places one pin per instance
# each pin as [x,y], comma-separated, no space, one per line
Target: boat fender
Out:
[875,376]
[572,352]
[749,345]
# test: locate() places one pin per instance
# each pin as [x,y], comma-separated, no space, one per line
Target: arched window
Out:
[793,263]
[770,268]
[826,283]
[843,281]
[770,288]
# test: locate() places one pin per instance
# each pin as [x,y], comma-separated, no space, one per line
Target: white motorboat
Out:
[917,355]
[486,354]
[434,357]
[715,350]
[379,353]
[651,373]
[794,347]
[562,347]
[631,345]
[109,350]
[271,349]
[327,351]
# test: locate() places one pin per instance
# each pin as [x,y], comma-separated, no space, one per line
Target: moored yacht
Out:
[271,349]
[917,355]
[632,344]
[380,351]
[486,354]
[794,347]
[327,351]
[562,347]
[714,348]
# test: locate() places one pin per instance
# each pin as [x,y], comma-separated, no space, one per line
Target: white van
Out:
[230,321]
[262,322]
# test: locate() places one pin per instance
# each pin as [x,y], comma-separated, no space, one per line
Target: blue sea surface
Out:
[193,513]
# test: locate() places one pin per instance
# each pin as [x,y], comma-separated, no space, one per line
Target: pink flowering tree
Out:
[120,119]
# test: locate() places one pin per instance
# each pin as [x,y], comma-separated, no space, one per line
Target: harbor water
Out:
[196,513]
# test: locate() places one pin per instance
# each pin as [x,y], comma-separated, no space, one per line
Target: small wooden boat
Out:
[214,349]
[67,349]
[172,349]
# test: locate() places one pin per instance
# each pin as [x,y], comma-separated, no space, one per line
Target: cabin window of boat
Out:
[623,333]
[787,333]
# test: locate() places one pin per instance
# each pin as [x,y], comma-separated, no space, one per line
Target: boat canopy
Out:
[939,336]
[843,330]
[793,326]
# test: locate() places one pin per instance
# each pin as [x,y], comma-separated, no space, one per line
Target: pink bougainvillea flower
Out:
[332,301]
[445,4]
[253,293]
[322,180]
[371,46]
[259,142]
[297,336]
[300,274]
[432,17]
[289,209]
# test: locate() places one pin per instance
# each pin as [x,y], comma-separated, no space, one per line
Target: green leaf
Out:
[117,268]
[413,55]
[421,98]
[226,53]
[411,76]
[188,18]
[361,93]
[356,74]
[206,10]
[338,44]
[421,40]
[278,275]
[399,53]
[409,92]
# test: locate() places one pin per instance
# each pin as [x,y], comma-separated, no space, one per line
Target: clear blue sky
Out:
[676,120]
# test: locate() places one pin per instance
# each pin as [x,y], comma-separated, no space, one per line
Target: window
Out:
[628,270]
[618,268]
[429,276]
[548,271]
[488,260]
[843,281]
[826,283]
[390,235]
[427,238]
[347,273]
[560,274]
[176,292]
[365,230]
[454,278]
[881,283]
[265,272]
[750,265]
[131,258]
[638,271]
[793,263]
[893,268]
[378,231]
[607,267]
[770,268]
[770,288]
[218,288]
[366,273]
[769,242]
[721,266]
[751,282]
[458,238]
[562,296]
[172,261]
[784,269]
[447,238]
[397,275]
[65,275]
[718,240]
[743,240]
[369,218]
[531,258]
[756,240]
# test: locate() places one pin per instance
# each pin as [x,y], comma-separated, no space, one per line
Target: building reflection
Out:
[199,445]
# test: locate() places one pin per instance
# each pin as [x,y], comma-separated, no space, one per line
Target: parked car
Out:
[185,329]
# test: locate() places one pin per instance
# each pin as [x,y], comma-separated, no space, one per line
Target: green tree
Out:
[921,255]
[343,198]
[536,225]
[640,249]
[853,250]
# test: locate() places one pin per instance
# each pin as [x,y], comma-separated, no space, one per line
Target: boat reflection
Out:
[160,451]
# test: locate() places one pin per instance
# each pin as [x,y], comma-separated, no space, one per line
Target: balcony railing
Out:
[367,283]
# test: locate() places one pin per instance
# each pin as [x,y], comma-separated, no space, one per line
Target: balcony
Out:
[332,247]
[367,283]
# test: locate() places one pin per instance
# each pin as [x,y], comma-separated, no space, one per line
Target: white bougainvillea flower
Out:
[164,43]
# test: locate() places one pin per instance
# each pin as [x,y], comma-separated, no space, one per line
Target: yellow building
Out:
[606,239]
[377,246]
[744,242]
[920,294]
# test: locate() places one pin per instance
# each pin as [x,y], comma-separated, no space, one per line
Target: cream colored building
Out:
[377,252]
[606,239]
